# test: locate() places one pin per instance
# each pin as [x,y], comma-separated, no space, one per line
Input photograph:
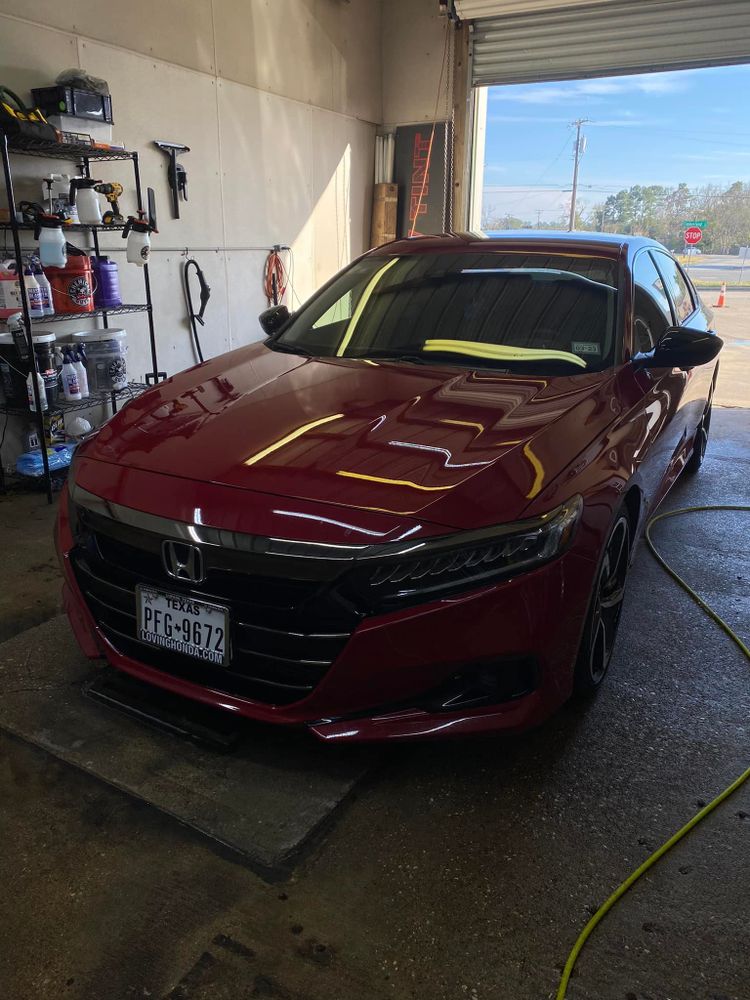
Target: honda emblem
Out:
[182,561]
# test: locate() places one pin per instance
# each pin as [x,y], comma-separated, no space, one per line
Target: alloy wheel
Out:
[610,592]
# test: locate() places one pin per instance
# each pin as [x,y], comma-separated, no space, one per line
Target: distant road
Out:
[718,267]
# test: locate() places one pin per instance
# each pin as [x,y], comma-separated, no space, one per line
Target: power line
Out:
[703,137]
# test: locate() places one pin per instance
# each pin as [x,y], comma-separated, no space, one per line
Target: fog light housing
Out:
[489,682]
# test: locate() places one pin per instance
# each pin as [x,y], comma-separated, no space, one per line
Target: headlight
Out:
[459,562]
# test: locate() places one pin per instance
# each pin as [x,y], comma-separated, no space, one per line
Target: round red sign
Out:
[693,235]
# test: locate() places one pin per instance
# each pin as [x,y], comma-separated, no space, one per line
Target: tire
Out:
[699,445]
[603,619]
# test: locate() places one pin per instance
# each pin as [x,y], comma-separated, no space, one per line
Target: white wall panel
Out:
[30,56]
[343,152]
[245,296]
[266,160]
[157,100]
[413,37]
[178,31]
[321,52]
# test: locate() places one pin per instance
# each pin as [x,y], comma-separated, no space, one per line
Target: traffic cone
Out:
[722,297]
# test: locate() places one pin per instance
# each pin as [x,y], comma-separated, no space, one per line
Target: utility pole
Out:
[577,154]
[539,218]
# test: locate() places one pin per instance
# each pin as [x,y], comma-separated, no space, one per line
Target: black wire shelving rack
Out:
[82,155]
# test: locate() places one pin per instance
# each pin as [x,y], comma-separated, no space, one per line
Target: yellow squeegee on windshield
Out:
[500,352]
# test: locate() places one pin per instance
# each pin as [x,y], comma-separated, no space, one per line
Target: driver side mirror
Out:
[273,319]
[683,347]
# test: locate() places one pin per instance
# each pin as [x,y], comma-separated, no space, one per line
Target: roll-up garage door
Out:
[603,38]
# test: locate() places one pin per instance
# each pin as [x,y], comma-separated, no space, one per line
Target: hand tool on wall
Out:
[176,173]
[112,191]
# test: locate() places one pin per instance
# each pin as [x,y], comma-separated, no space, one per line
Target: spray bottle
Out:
[70,384]
[33,294]
[137,233]
[83,378]
[30,390]
[45,290]
[86,200]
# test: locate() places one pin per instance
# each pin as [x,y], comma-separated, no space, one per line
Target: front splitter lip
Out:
[416,724]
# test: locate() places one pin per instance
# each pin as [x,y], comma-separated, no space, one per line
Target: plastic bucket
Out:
[72,285]
[106,352]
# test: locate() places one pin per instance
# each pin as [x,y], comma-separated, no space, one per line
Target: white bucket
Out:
[106,351]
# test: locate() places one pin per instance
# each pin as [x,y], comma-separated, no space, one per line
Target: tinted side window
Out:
[676,285]
[652,314]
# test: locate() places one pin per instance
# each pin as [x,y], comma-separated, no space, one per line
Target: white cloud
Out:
[639,83]
[714,157]
[619,122]
[627,120]
[600,87]
[536,119]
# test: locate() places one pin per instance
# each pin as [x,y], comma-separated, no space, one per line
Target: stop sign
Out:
[693,235]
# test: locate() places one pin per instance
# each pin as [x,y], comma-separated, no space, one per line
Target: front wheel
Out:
[603,618]
[699,445]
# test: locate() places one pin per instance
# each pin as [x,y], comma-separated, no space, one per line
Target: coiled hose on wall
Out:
[196,317]
[691,824]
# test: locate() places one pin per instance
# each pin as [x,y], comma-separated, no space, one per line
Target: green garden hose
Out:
[691,824]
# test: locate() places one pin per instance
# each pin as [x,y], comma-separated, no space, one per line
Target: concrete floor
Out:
[31,590]
[732,323]
[461,870]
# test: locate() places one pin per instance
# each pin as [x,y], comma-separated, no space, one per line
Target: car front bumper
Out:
[381,686]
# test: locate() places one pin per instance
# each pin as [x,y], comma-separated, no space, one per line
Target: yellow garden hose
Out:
[676,837]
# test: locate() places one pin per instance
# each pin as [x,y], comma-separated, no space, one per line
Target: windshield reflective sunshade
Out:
[528,311]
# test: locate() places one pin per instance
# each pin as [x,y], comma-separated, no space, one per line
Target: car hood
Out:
[461,448]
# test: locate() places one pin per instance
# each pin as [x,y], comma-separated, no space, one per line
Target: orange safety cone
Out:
[722,297]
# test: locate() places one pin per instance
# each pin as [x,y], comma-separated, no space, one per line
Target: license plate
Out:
[183,625]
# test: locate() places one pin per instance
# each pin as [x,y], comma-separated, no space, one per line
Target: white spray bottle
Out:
[71,387]
[83,378]
[137,233]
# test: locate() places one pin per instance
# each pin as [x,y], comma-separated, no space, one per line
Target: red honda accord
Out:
[410,511]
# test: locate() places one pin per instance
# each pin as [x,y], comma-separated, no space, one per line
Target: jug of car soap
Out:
[70,384]
[136,232]
[86,200]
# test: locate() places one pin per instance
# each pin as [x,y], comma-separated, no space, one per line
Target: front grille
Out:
[285,633]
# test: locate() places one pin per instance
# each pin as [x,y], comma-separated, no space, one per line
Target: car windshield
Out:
[537,313]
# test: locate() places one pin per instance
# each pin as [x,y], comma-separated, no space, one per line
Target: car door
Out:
[689,311]
[657,393]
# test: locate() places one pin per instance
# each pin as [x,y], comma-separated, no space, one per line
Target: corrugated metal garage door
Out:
[467,9]
[606,38]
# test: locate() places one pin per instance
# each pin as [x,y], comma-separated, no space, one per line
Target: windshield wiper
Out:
[416,359]
[289,348]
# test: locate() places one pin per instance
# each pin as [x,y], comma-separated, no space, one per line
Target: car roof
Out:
[604,244]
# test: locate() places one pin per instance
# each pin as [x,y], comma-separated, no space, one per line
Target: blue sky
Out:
[655,128]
